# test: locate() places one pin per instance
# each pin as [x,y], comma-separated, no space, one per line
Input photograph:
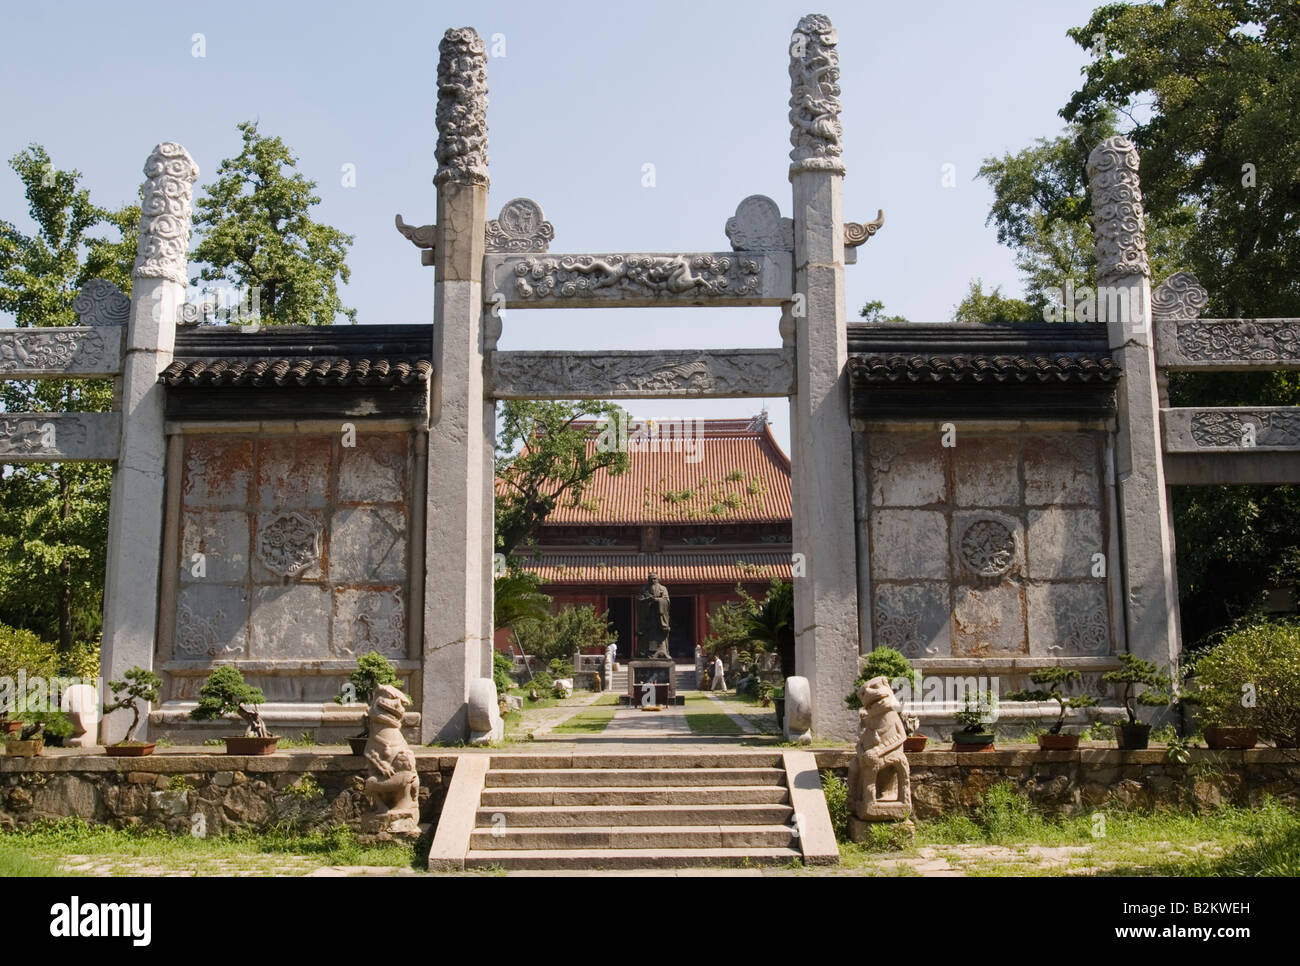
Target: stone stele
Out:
[392,784]
[880,780]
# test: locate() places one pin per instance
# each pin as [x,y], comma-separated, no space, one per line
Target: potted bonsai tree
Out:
[136,685]
[977,713]
[26,743]
[373,670]
[1055,678]
[1135,673]
[890,663]
[225,693]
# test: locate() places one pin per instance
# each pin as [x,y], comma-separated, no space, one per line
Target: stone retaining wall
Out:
[1070,782]
[313,790]
[169,791]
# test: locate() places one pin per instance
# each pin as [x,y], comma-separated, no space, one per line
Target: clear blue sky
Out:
[585,95]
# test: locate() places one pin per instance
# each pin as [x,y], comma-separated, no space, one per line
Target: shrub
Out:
[1005,815]
[502,671]
[560,635]
[1259,662]
[542,683]
[836,790]
[223,693]
[883,662]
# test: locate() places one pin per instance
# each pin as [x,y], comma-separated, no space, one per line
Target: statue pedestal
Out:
[659,674]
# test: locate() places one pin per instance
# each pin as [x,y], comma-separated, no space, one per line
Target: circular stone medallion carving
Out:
[289,544]
[988,547]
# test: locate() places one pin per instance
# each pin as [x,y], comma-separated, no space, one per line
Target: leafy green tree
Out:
[559,635]
[543,461]
[988,307]
[257,232]
[54,517]
[771,624]
[874,311]
[516,596]
[1207,90]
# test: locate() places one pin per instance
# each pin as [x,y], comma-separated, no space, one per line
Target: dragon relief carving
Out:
[653,276]
[1245,340]
[41,435]
[22,349]
[613,374]
[1118,226]
[1271,430]
[165,214]
[815,131]
[461,151]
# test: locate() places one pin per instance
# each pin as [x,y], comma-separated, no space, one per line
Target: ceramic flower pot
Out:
[1226,738]
[251,746]
[1050,742]
[972,741]
[915,743]
[358,745]
[1133,737]
[16,748]
[136,750]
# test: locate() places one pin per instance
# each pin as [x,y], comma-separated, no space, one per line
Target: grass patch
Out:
[591,721]
[705,723]
[608,700]
[42,848]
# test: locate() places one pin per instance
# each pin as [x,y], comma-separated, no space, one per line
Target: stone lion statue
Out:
[392,785]
[880,788]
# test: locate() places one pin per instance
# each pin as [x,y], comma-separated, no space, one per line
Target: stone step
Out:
[644,795]
[639,837]
[537,816]
[667,759]
[662,777]
[629,858]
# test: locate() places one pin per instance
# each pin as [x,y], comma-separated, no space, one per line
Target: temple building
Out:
[705,504]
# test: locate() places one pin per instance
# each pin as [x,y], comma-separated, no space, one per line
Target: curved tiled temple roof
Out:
[296,372]
[692,471]
[971,370]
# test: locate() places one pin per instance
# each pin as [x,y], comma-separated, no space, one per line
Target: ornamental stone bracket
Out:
[1227,344]
[856,233]
[757,226]
[101,303]
[1180,296]
[55,437]
[1231,430]
[693,374]
[56,352]
[638,280]
[421,236]
[521,227]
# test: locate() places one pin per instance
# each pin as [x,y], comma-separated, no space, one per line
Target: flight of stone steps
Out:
[639,811]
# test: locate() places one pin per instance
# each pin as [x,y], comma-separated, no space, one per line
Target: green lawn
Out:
[72,847]
[711,723]
[589,721]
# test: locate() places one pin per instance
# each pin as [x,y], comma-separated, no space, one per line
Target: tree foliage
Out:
[1208,91]
[989,307]
[560,635]
[54,517]
[543,461]
[874,311]
[257,231]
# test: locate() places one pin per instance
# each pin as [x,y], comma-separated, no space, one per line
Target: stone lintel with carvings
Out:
[1227,344]
[55,437]
[55,352]
[650,374]
[1231,429]
[638,280]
